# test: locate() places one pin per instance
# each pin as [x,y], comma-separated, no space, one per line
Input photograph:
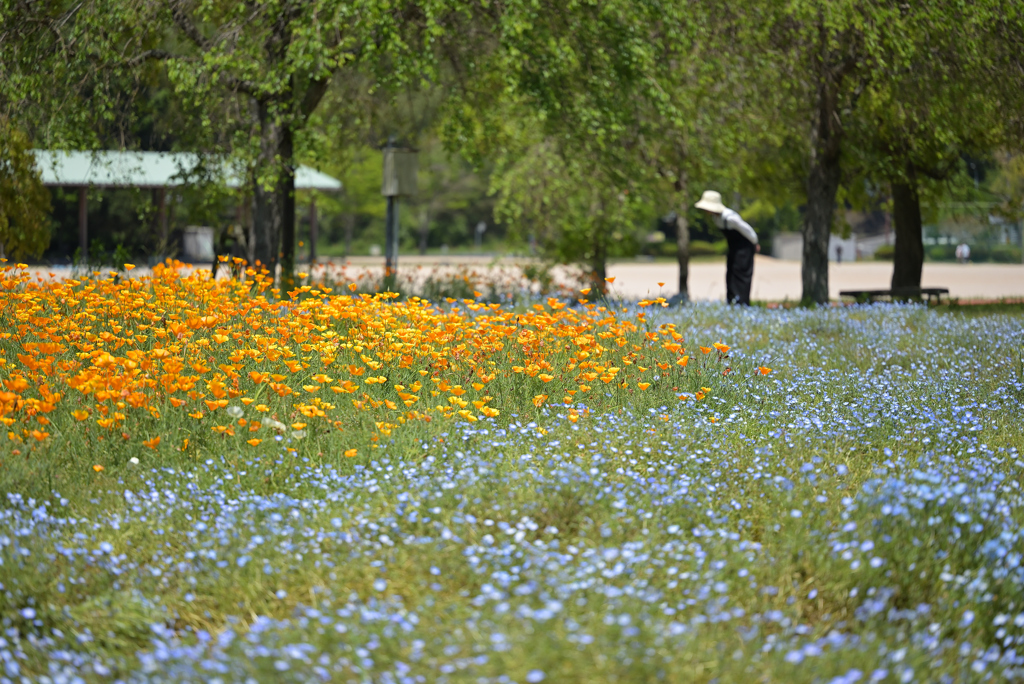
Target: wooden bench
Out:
[898,293]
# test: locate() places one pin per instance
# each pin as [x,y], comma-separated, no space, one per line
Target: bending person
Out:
[739,265]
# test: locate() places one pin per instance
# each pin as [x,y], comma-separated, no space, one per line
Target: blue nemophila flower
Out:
[636,539]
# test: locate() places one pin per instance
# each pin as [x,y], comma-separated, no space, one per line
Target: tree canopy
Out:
[24,202]
[594,117]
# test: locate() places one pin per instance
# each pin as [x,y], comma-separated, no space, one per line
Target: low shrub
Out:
[941,252]
[665,248]
[885,253]
[703,248]
[1005,254]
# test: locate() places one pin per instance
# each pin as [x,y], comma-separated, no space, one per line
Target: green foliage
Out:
[980,253]
[249,78]
[285,510]
[1008,185]
[576,214]
[885,253]
[24,200]
[1005,254]
[940,252]
[639,96]
[700,248]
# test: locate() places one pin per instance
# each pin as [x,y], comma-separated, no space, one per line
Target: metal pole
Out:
[313,231]
[390,253]
[83,223]
[395,232]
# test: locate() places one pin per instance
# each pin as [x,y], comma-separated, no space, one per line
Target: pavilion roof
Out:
[126,169]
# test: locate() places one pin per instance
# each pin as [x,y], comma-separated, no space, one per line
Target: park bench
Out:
[897,293]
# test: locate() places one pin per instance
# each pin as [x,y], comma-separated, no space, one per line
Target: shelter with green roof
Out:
[153,170]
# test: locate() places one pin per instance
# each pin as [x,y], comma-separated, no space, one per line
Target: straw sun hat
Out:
[711,201]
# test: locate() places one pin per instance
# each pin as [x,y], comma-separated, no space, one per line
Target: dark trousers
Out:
[739,268]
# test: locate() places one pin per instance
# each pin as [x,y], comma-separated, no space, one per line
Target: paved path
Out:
[774,280]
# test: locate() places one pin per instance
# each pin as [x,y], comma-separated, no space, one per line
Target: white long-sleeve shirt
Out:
[730,220]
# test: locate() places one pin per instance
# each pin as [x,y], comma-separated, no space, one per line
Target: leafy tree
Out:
[253,74]
[820,56]
[575,214]
[447,183]
[910,86]
[1009,185]
[277,60]
[24,200]
[698,114]
[649,97]
[563,106]
[915,134]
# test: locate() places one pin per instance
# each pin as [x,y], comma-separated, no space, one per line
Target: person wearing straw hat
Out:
[739,264]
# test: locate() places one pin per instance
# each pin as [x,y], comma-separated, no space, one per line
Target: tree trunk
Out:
[598,272]
[285,190]
[821,205]
[424,230]
[350,224]
[274,200]
[683,255]
[314,231]
[822,183]
[266,212]
[825,167]
[908,258]
[682,239]
[599,261]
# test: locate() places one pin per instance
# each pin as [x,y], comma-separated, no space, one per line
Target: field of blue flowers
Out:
[856,516]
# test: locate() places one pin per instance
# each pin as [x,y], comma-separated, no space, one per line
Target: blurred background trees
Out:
[576,132]
[24,201]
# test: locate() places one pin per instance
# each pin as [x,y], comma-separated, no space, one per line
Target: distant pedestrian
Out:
[963,252]
[839,254]
[739,264]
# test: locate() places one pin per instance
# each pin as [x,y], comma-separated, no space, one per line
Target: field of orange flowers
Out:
[203,479]
[110,365]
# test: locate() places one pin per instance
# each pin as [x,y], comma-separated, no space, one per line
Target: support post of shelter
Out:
[160,172]
[83,223]
[314,230]
[161,195]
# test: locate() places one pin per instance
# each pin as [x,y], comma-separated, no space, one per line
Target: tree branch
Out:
[314,93]
[150,54]
[187,26]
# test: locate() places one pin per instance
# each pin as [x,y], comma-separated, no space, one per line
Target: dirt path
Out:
[774,280]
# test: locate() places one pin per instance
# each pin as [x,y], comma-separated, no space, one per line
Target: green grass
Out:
[858,400]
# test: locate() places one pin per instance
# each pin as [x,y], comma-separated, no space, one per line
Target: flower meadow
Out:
[203,483]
